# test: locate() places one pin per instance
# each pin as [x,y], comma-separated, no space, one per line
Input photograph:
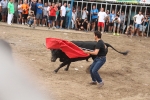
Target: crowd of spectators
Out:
[57,15]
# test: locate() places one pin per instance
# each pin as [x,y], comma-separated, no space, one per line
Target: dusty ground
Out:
[125,77]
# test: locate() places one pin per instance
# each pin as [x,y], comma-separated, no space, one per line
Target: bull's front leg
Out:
[66,69]
[62,65]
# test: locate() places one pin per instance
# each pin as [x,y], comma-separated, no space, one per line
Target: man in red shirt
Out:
[53,9]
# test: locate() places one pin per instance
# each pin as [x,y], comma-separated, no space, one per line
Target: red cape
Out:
[69,48]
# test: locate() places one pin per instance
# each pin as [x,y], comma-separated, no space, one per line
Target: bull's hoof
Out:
[55,71]
[66,69]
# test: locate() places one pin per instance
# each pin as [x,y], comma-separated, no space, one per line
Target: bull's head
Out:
[55,54]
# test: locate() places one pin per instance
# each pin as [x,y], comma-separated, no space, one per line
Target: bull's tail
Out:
[124,53]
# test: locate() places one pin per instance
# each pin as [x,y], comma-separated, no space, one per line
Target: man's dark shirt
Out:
[101,46]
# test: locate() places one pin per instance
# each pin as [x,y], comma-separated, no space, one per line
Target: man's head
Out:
[53,4]
[39,1]
[102,9]
[97,35]
[94,6]
[59,4]
[49,4]
[140,12]
[122,13]
[85,8]
[65,4]
[25,1]
[113,12]
[107,12]
[20,2]
[56,5]
[68,5]
[74,10]
[45,4]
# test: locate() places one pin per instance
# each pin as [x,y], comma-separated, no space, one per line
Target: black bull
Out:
[57,53]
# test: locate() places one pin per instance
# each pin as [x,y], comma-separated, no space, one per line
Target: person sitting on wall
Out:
[130,30]
[78,23]
[85,25]
[31,19]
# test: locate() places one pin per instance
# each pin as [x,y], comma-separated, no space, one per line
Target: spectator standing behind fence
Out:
[45,14]
[39,13]
[107,22]
[138,20]
[58,16]
[68,13]
[94,15]
[101,19]
[84,13]
[16,11]
[33,6]
[10,12]
[62,14]
[19,12]
[116,22]
[122,23]
[111,17]
[25,10]
[4,10]
[48,14]
[79,12]
[53,9]
[73,21]
[130,30]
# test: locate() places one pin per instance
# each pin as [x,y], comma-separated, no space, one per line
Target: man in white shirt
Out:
[62,14]
[138,20]
[101,19]
[84,13]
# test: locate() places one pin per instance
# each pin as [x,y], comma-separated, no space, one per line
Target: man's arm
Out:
[61,11]
[134,17]
[95,52]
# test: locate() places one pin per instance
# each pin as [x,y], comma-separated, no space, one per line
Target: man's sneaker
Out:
[93,83]
[54,27]
[100,84]
[43,25]
[33,27]
[57,27]
[118,34]
[22,23]
[25,23]
[114,33]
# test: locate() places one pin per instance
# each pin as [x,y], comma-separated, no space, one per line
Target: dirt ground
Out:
[125,77]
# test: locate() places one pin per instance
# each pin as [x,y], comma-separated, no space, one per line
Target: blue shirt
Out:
[68,11]
[39,10]
[94,16]
[112,16]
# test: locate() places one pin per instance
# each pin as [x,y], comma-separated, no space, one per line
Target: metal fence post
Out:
[125,18]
